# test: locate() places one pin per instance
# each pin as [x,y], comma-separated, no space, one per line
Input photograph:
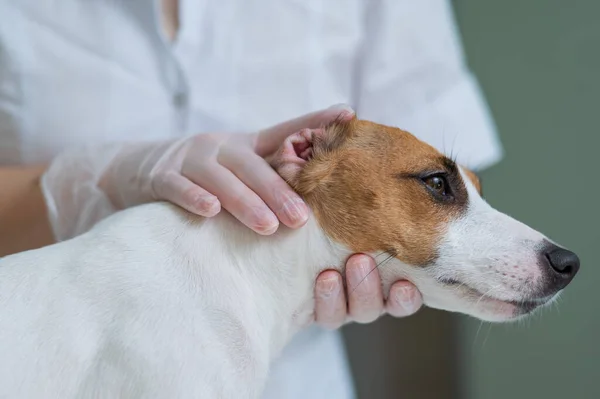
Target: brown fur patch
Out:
[364,185]
[474,179]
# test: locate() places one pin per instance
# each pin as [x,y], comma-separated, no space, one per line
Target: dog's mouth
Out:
[508,308]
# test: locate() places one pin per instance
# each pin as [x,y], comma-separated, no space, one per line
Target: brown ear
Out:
[474,179]
[324,159]
[307,158]
[332,136]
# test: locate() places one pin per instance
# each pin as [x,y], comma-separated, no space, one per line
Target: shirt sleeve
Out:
[412,74]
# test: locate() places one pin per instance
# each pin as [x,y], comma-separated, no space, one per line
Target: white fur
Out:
[156,303]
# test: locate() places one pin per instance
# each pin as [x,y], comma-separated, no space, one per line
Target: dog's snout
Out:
[563,265]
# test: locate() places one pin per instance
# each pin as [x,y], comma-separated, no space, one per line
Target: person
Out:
[108,104]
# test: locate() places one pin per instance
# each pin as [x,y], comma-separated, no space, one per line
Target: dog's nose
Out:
[564,264]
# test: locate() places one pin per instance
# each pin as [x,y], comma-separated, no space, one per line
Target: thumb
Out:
[268,140]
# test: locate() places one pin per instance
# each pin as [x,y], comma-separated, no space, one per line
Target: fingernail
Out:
[266,222]
[296,211]
[342,107]
[208,205]
[327,288]
[405,296]
[359,275]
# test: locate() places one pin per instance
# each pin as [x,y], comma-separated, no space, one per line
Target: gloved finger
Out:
[268,140]
[330,300]
[258,175]
[404,300]
[181,191]
[365,296]
[243,203]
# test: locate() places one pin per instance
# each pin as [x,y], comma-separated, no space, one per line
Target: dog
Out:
[154,302]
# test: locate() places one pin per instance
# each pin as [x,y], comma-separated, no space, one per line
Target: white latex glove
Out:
[201,173]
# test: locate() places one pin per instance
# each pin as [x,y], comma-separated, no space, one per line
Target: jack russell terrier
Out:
[155,302]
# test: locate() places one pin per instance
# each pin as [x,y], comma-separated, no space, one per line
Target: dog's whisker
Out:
[391,255]
[486,294]
[381,253]
[486,335]
[477,333]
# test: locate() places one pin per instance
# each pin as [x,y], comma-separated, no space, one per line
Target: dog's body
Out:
[155,302]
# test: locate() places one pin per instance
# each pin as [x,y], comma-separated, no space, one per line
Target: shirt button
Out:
[180,99]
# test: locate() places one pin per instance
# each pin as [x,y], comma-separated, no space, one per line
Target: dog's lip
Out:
[523,306]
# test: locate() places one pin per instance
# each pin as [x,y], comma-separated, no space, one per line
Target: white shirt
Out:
[93,71]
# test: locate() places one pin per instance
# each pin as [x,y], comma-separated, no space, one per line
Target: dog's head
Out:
[379,190]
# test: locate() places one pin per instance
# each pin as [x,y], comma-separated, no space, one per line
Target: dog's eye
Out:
[437,184]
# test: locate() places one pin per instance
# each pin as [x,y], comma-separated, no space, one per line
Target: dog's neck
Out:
[276,273]
[298,257]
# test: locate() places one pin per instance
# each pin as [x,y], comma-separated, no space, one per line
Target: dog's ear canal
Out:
[307,159]
[324,161]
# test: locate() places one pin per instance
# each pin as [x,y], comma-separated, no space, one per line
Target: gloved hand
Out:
[365,302]
[203,174]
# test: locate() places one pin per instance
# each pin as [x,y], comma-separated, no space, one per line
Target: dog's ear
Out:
[475,179]
[307,158]
[332,136]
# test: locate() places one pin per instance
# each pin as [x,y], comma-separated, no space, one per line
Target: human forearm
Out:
[24,222]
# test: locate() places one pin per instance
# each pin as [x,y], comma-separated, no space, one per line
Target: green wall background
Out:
[538,62]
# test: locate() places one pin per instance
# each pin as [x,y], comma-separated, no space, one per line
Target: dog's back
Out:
[122,312]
